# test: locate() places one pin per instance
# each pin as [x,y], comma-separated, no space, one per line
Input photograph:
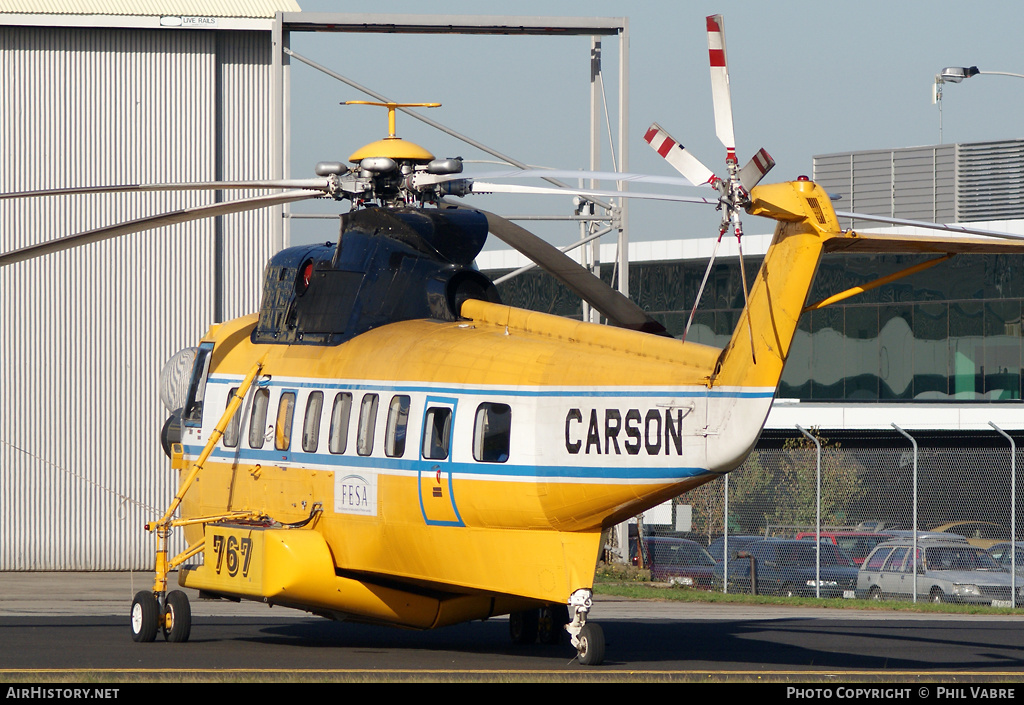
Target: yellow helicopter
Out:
[384,441]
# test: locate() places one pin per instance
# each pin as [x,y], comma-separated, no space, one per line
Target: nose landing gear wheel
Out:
[177,621]
[145,616]
[591,645]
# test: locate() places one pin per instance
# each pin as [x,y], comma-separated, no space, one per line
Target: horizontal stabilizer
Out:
[877,243]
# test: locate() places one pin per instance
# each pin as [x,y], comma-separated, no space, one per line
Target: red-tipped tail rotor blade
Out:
[755,169]
[720,85]
[676,155]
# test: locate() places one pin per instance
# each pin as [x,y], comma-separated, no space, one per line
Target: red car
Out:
[858,544]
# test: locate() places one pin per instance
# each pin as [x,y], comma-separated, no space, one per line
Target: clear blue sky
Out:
[807,79]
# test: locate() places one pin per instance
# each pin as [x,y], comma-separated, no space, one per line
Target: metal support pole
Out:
[1013,514]
[280,123]
[914,444]
[624,139]
[591,254]
[817,519]
[725,543]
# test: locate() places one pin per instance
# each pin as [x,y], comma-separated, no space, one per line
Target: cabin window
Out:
[437,433]
[367,420]
[283,427]
[398,420]
[258,418]
[311,423]
[192,414]
[341,410]
[492,433]
[231,430]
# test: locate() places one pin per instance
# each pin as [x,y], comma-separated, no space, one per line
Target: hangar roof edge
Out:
[152,8]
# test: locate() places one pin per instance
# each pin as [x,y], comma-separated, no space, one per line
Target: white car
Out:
[1001,552]
[946,572]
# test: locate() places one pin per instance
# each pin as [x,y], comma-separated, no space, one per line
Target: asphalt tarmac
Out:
[110,593]
[75,626]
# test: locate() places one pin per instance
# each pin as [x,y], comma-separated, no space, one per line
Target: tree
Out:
[779,487]
[749,495]
[795,486]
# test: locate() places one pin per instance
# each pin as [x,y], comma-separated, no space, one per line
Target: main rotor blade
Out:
[953,227]
[566,174]
[676,155]
[620,310]
[320,184]
[720,92]
[488,187]
[156,221]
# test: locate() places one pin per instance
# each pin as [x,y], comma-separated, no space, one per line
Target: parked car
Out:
[1004,557]
[788,567]
[857,544]
[977,533]
[736,544]
[680,561]
[947,571]
[908,534]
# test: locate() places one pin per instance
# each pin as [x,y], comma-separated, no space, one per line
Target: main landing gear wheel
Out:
[553,619]
[145,616]
[177,619]
[591,645]
[523,626]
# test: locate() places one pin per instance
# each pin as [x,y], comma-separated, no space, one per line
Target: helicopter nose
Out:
[175,376]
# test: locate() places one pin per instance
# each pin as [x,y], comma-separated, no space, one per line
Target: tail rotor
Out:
[734,189]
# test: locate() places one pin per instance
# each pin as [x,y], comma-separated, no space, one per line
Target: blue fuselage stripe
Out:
[413,467]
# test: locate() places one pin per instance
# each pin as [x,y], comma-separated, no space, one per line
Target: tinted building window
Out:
[949,333]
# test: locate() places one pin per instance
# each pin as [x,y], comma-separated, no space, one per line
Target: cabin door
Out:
[437,488]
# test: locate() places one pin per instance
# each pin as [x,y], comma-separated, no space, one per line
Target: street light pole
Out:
[956,74]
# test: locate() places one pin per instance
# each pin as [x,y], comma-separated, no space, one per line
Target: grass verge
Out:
[657,591]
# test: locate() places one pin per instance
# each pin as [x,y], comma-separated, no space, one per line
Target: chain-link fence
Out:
[863,499]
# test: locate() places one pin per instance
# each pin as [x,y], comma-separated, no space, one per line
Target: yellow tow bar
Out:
[163,526]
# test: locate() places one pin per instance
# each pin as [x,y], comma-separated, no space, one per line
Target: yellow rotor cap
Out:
[392,146]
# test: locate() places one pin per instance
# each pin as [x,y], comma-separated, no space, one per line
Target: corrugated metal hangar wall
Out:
[946,183]
[86,332]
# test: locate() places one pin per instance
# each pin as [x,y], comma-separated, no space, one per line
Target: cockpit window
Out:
[192,414]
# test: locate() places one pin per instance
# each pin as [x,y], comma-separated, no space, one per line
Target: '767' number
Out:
[231,550]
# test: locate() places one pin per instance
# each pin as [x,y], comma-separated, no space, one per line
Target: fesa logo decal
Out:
[355,494]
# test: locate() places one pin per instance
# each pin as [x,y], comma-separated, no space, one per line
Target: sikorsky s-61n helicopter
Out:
[385,442]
